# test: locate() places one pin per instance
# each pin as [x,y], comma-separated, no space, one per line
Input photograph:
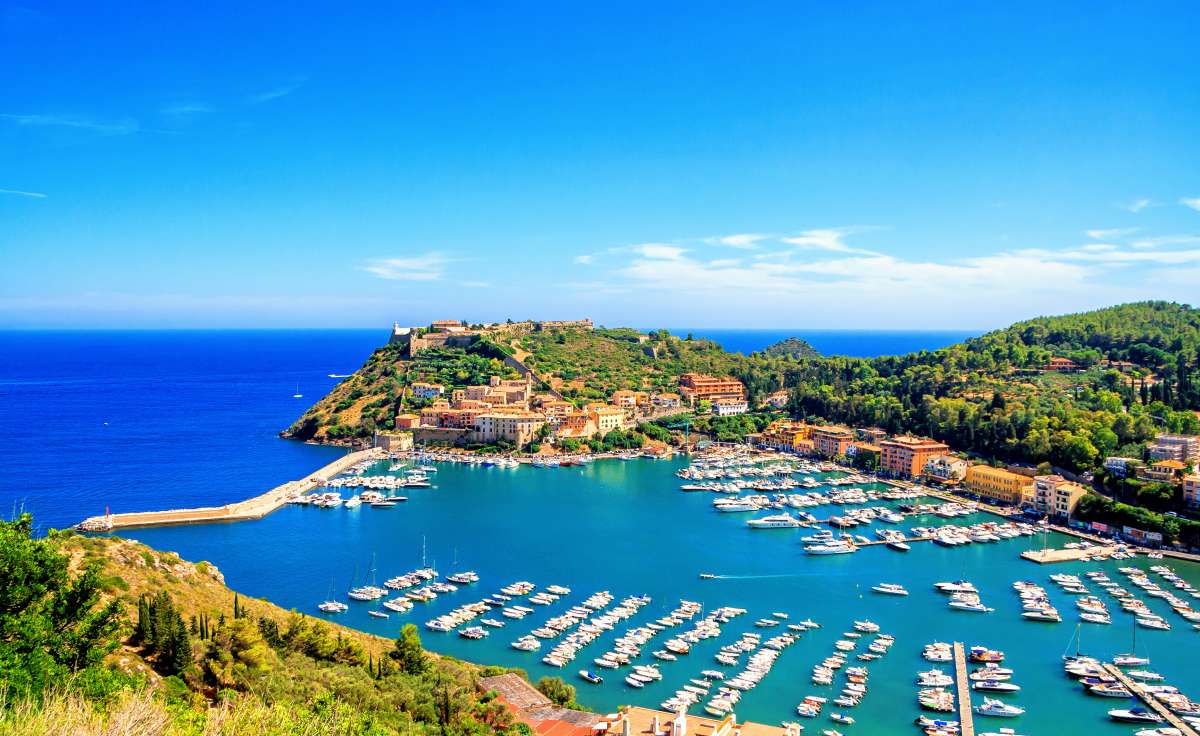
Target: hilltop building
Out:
[699,387]
[1181,447]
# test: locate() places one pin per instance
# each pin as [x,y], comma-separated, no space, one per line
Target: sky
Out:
[890,165]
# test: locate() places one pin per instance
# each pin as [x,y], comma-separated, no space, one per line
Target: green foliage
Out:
[408,654]
[559,692]
[161,632]
[50,625]
[792,347]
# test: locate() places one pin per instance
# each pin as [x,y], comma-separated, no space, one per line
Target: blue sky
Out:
[790,164]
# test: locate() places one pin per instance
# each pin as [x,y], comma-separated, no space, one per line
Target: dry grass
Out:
[66,714]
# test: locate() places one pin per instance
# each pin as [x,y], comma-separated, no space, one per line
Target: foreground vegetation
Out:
[106,636]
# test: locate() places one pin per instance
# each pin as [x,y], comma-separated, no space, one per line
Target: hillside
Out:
[1139,372]
[792,347]
[105,636]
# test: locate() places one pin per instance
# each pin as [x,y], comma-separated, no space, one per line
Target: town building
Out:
[1191,490]
[832,441]
[1181,447]
[394,441]
[776,400]
[666,401]
[906,456]
[423,390]
[1061,365]
[1056,496]
[407,421]
[699,387]
[784,435]
[1121,467]
[729,407]
[607,418]
[945,469]
[518,427]
[872,435]
[1000,485]
[1163,471]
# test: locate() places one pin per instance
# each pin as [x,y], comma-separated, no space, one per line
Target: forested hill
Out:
[792,347]
[989,395]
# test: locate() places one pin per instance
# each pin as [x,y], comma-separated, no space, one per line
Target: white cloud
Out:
[659,251]
[1110,233]
[739,240]
[828,239]
[1138,205]
[117,127]
[1193,202]
[19,193]
[585,259]
[427,267]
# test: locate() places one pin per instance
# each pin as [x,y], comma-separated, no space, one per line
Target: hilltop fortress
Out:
[457,334]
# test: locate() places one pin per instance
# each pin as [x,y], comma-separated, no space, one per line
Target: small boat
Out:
[841,718]
[591,677]
[377,614]
[1135,715]
[998,709]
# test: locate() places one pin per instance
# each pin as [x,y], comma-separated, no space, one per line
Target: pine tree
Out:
[141,633]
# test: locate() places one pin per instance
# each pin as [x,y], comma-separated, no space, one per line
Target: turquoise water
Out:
[624,527]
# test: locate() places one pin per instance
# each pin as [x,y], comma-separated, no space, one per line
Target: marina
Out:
[498,523]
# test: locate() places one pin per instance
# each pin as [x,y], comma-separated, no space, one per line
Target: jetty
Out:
[966,717]
[1049,555]
[1151,702]
[252,508]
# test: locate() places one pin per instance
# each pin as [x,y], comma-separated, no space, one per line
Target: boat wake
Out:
[710,576]
[339,375]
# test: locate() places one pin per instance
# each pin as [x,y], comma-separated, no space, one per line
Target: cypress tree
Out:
[142,631]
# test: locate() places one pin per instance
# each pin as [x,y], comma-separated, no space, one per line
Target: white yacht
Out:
[998,708]
[775,521]
[890,589]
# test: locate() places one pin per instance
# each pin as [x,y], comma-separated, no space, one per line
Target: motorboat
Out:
[890,589]
[998,709]
[1135,715]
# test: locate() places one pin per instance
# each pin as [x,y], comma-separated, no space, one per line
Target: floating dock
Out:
[1046,556]
[1150,701]
[966,717]
[253,508]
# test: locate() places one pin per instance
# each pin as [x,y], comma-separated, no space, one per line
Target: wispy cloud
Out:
[738,240]
[275,93]
[1193,202]
[183,109]
[659,251]
[427,267]
[19,193]
[585,259]
[829,239]
[1138,205]
[1110,233]
[124,126]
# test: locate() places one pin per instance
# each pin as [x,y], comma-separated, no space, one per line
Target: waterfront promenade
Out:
[252,508]
[966,717]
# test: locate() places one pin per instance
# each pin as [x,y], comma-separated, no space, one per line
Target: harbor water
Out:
[623,526]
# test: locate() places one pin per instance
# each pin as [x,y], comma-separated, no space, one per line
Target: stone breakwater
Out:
[252,508]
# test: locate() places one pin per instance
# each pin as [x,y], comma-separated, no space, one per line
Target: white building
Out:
[729,407]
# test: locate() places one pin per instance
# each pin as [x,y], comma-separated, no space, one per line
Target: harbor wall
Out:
[252,508]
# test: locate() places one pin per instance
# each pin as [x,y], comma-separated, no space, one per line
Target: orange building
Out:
[697,387]
[906,457]
[832,441]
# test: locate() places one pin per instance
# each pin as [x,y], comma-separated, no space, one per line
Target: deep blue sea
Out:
[144,420]
[148,420]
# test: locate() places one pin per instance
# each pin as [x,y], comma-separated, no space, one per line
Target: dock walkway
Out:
[252,508]
[966,717]
[1150,701]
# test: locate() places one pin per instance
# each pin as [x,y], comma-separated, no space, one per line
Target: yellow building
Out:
[998,484]
[607,418]
[785,435]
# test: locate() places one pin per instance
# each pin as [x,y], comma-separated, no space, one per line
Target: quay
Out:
[252,508]
[966,717]
[1150,701]
[1045,556]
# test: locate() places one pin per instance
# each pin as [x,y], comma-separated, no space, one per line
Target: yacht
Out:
[890,589]
[775,521]
[333,607]
[840,547]
[997,686]
[1135,715]
[998,708]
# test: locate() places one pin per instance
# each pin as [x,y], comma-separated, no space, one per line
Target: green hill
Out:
[792,347]
[1139,373]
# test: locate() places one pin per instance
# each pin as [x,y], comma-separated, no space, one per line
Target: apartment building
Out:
[730,407]
[946,469]
[1182,447]
[517,427]
[423,390]
[697,387]
[999,485]
[832,441]
[906,457]
[1191,490]
[1056,496]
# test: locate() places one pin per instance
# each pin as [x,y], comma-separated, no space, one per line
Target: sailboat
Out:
[1131,659]
[297,395]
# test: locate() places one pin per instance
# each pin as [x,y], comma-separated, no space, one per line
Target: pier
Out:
[252,508]
[966,717]
[1045,556]
[1150,701]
